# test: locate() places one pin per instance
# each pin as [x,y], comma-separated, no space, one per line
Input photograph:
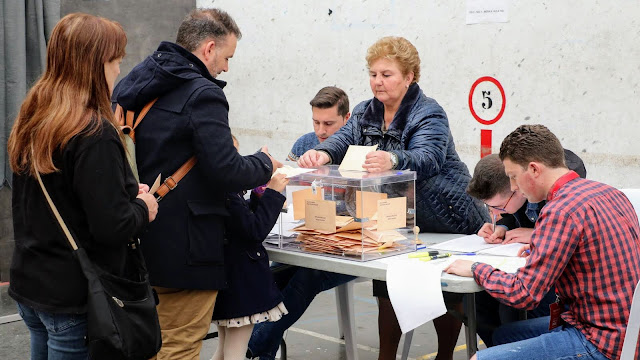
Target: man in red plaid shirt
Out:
[585,242]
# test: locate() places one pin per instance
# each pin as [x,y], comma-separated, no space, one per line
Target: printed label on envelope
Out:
[299,198]
[320,215]
[392,213]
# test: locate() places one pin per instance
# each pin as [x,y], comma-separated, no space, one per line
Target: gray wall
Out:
[146,22]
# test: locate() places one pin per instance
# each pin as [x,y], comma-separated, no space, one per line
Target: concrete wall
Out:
[146,22]
[571,65]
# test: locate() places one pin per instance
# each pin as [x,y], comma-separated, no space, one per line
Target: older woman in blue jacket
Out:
[412,132]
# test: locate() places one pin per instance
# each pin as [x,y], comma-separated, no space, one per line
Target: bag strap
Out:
[172,181]
[126,121]
[53,207]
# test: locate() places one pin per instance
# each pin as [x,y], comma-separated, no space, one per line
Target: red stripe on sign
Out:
[485,142]
[4,283]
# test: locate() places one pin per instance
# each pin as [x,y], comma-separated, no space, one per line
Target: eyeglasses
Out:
[500,209]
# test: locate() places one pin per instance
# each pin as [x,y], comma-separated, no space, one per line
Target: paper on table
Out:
[503,250]
[290,171]
[505,263]
[469,243]
[415,305]
[355,156]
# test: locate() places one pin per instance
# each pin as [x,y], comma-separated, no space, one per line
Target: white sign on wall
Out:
[487,11]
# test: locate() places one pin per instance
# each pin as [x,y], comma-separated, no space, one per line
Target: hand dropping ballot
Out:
[355,157]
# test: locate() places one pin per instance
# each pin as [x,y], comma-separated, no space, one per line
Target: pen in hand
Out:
[494,223]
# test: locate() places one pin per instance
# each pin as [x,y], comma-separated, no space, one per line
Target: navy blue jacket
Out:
[252,288]
[419,135]
[183,247]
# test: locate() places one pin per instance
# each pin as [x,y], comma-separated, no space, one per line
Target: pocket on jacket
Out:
[259,258]
[206,233]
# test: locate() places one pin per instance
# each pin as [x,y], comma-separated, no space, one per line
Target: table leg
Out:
[471,333]
[344,295]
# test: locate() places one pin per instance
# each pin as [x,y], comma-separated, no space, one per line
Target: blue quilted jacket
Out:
[419,135]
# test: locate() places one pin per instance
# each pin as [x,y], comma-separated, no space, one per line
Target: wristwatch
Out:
[394,160]
[473,266]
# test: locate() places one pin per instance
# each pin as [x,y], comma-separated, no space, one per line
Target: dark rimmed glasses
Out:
[500,209]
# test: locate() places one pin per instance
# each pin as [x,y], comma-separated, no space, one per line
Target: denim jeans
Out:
[532,340]
[55,336]
[491,314]
[301,289]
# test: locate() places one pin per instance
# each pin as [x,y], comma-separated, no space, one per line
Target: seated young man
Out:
[586,243]
[490,185]
[330,111]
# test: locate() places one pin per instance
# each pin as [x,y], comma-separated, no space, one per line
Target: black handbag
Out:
[122,320]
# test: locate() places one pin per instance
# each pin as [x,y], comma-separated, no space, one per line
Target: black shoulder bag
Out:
[122,320]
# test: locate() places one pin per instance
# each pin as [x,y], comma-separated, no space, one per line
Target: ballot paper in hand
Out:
[355,157]
[156,185]
[290,171]
[415,292]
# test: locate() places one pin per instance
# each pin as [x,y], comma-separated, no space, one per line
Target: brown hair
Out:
[530,143]
[204,24]
[329,97]
[488,178]
[72,96]
[398,49]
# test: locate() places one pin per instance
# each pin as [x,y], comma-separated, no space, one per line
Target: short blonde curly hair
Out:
[398,49]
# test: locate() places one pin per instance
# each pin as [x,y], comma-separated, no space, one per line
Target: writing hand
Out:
[524,251]
[489,235]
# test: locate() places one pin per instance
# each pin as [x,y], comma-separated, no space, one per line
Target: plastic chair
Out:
[634,197]
[633,328]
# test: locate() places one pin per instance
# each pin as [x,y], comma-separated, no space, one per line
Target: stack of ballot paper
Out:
[348,238]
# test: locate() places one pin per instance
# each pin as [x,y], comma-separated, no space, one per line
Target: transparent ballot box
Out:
[348,214]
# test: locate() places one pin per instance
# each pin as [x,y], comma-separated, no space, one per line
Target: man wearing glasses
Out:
[517,217]
[513,216]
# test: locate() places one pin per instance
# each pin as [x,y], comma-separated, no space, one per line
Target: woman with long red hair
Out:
[66,132]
